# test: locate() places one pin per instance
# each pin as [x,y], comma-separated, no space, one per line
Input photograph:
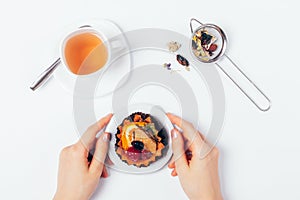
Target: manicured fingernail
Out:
[106,137]
[174,134]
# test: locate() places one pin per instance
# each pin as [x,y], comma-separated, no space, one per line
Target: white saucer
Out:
[116,69]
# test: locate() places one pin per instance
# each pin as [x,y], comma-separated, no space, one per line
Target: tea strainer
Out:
[208,44]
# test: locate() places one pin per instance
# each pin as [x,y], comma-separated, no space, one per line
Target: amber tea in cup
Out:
[85,53]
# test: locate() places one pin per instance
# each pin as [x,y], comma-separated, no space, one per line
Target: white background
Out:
[259,151]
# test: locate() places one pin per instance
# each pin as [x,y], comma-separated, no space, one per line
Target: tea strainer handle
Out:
[248,81]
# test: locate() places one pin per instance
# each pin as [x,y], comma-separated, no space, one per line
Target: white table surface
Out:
[259,151]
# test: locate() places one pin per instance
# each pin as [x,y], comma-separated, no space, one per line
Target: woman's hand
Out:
[77,177]
[198,176]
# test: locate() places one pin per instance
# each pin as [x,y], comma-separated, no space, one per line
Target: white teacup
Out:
[90,64]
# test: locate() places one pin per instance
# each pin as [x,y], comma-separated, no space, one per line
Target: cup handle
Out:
[117,45]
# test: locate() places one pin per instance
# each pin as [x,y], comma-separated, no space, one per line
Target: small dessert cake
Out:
[140,140]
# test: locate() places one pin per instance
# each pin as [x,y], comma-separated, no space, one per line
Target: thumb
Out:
[100,153]
[179,152]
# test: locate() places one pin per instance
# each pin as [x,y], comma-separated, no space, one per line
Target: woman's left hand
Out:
[77,177]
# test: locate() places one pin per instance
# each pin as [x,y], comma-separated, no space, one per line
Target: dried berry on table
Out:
[182,60]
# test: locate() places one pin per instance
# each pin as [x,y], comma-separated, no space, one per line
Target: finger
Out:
[178,152]
[97,163]
[189,132]
[104,172]
[174,173]
[109,162]
[171,163]
[188,129]
[88,138]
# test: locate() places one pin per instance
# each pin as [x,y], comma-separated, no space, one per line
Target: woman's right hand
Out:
[198,176]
